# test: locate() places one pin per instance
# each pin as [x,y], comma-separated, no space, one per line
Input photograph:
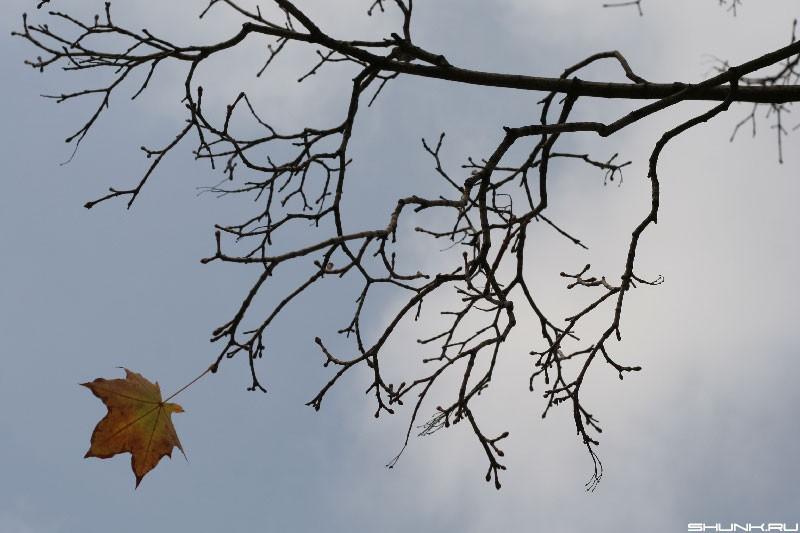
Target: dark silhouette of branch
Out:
[299,177]
[731,5]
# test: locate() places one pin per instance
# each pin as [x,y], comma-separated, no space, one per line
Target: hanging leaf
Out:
[138,422]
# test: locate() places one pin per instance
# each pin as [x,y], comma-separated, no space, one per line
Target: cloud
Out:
[712,336]
[704,432]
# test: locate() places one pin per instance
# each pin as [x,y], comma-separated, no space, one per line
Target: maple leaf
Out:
[138,421]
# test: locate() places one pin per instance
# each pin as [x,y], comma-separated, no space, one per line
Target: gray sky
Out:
[706,432]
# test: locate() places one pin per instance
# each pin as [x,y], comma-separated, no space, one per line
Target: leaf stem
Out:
[195,380]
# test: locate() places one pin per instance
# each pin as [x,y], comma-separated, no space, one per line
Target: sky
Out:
[707,432]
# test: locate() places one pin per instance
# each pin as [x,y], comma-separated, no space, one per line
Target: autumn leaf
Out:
[138,421]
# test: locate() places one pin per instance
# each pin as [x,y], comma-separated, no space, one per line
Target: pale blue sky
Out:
[707,432]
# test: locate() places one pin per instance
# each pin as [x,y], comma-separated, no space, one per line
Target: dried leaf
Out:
[138,421]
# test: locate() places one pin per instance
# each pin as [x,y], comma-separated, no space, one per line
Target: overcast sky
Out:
[707,432]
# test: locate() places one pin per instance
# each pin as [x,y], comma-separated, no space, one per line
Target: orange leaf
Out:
[138,421]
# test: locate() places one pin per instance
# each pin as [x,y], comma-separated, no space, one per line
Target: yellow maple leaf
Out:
[138,422]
